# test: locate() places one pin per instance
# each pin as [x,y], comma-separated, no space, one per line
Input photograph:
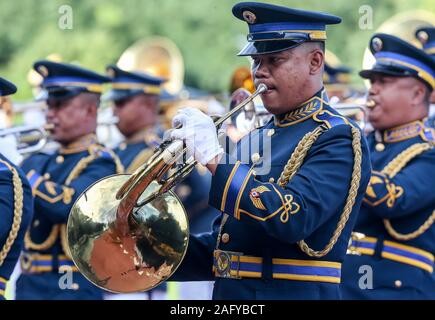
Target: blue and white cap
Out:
[275,28]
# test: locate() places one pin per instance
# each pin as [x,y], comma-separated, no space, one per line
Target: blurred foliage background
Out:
[205,31]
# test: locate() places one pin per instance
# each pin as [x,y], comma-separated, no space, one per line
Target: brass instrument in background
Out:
[254,114]
[29,138]
[32,139]
[242,78]
[108,122]
[6,112]
[402,25]
[158,56]
[356,112]
[129,233]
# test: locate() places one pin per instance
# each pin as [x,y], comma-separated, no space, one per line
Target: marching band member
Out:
[394,232]
[57,179]
[290,195]
[427,38]
[16,202]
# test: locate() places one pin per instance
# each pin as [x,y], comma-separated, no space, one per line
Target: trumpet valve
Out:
[48,126]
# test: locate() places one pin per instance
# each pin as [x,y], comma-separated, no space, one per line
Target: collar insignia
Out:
[404,132]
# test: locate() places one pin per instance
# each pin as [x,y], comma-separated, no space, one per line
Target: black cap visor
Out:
[59,93]
[266,47]
[392,70]
[118,95]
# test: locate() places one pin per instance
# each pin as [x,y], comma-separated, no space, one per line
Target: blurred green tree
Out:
[205,31]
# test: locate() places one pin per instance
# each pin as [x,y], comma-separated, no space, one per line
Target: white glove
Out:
[199,133]
[8,148]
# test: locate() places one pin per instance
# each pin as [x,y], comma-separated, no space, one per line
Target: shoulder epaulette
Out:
[330,119]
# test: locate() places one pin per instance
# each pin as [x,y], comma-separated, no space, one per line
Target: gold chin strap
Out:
[18,212]
[393,168]
[295,162]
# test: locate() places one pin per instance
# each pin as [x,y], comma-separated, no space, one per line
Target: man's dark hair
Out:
[321,45]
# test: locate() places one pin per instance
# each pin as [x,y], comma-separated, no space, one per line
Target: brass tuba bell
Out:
[129,233]
[158,56]
[402,25]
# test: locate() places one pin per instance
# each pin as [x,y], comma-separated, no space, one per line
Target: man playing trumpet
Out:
[57,179]
[290,195]
[392,248]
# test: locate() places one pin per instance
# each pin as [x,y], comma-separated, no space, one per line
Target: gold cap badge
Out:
[249,17]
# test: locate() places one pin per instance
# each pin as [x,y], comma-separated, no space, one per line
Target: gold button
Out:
[380,147]
[398,283]
[255,158]
[225,238]
[254,173]
[47,176]
[271,132]
[122,146]
[272,180]
[75,286]
[36,223]
[59,159]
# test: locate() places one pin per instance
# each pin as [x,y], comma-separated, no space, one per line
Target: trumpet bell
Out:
[140,260]
[129,233]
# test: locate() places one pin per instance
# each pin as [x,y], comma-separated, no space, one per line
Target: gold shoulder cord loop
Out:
[18,213]
[119,167]
[48,243]
[295,162]
[393,168]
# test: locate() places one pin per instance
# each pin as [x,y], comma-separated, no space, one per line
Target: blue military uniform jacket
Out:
[396,238]
[16,209]
[257,255]
[57,180]
[134,154]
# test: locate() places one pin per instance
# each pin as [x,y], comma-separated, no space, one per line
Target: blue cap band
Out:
[281,26]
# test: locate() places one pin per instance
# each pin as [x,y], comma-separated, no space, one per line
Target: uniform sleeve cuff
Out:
[230,178]
[35,179]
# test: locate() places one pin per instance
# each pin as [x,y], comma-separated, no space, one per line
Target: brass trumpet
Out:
[29,138]
[132,238]
[355,111]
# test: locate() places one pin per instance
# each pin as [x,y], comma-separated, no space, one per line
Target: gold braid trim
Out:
[79,168]
[18,213]
[29,244]
[119,167]
[64,241]
[140,159]
[295,162]
[298,156]
[60,229]
[393,168]
[74,174]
